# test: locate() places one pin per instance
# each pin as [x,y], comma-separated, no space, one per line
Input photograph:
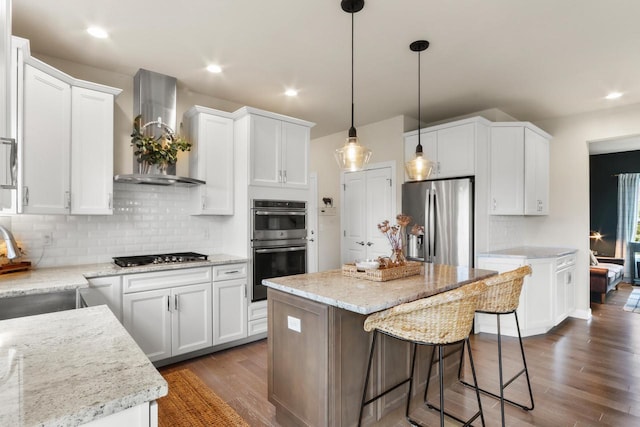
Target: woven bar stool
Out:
[502,297]
[441,320]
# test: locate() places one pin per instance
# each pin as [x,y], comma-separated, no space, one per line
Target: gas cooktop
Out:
[175,258]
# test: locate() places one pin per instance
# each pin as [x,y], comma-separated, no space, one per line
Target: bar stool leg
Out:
[413,365]
[475,379]
[526,370]
[366,381]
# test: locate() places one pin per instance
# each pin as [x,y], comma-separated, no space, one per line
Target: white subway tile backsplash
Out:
[146,219]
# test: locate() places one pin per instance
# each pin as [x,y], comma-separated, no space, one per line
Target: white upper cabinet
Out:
[519,169]
[5,62]
[46,143]
[278,149]
[65,142]
[211,160]
[91,152]
[450,146]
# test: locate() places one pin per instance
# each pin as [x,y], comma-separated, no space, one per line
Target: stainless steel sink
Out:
[28,305]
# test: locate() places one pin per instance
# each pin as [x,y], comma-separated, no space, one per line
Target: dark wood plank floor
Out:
[584,373]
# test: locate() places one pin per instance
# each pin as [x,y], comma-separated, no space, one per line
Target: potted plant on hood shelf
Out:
[161,151]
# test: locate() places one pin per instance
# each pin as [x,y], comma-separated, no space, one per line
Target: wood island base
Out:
[317,358]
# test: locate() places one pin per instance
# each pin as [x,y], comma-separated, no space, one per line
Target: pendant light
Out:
[352,156]
[419,168]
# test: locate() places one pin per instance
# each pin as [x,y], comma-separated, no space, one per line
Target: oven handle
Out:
[280,213]
[274,250]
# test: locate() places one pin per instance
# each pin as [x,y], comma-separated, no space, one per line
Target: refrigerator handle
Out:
[432,226]
[427,226]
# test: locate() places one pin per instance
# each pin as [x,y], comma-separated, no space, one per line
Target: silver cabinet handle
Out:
[175,302]
[495,204]
[25,195]
[284,176]
[280,176]
[13,162]
[232,272]
[169,303]
[67,197]
[110,200]
[312,240]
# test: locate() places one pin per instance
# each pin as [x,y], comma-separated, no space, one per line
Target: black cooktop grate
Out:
[171,258]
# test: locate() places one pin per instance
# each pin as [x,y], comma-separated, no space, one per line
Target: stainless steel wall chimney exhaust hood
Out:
[154,97]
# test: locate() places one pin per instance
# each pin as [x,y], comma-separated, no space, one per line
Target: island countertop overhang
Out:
[365,296]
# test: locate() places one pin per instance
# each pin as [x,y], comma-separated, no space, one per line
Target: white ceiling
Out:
[531,59]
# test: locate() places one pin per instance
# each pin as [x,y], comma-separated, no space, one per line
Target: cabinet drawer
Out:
[229,271]
[257,326]
[165,279]
[258,310]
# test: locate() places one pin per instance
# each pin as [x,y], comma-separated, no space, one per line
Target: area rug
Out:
[190,403]
[633,303]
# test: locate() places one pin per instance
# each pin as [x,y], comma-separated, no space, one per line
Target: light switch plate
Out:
[293,323]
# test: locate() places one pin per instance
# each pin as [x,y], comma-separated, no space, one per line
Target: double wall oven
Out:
[278,241]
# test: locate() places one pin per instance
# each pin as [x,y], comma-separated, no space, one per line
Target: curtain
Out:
[628,187]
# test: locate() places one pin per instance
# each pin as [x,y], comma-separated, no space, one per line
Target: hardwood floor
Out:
[583,373]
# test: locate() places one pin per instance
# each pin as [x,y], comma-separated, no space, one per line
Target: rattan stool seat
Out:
[440,320]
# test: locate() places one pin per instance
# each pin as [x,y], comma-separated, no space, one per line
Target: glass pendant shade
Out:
[352,156]
[418,168]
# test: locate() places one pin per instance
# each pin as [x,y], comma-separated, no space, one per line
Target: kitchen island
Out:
[318,348]
[75,367]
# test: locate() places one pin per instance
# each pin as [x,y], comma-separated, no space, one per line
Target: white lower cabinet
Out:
[229,303]
[547,296]
[110,287]
[172,320]
[257,318]
[142,415]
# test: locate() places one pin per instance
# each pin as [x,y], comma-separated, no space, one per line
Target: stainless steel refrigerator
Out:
[445,209]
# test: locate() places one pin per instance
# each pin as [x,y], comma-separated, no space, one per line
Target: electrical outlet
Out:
[47,239]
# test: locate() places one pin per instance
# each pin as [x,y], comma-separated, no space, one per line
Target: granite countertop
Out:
[56,279]
[530,252]
[71,367]
[365,296]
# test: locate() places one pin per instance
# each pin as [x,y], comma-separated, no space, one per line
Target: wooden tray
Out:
[15,266]
[411,268]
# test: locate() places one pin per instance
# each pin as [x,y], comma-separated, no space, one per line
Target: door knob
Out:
[369,243]
[360,243]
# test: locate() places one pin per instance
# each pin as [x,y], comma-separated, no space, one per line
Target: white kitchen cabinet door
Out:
[5,63]
[456,151]
[91,152]
[506,177]
[564,292]
[536,173]
[110,288]
[519,169]
[265,151]
[367,200]
[147,317]
[295,155]
[230,310]
[211,160]
[191,318]
[46,141]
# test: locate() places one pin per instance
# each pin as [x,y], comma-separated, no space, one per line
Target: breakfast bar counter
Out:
[318,348]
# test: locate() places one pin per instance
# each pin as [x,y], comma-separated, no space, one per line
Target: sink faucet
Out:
[12,247]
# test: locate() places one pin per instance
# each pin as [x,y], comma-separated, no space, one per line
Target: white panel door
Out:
[91,152]
[191,319]
[46,140]
[506,177]
[456,151]
[214,139]
[230,313]
[147,317]
[354,235]
[378,205]
[265,136]
[295,155]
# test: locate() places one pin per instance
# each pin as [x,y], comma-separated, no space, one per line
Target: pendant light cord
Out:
[419,113]
[352,130]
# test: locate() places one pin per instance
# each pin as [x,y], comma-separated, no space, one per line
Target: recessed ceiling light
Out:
[614,95]
[214,68]
[97,32]
[291,92]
